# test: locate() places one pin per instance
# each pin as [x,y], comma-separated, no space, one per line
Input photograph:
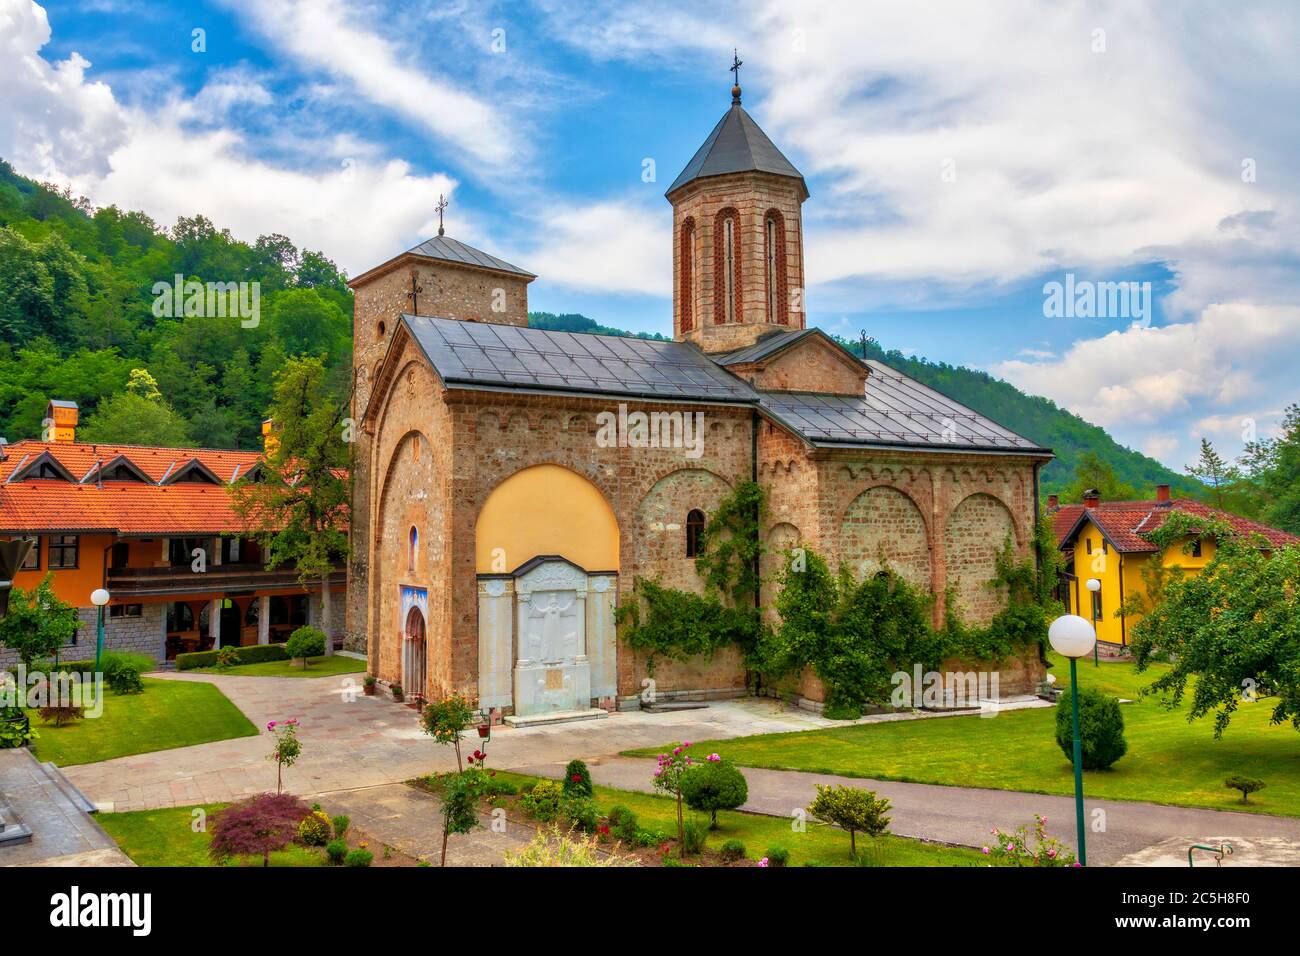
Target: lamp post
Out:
[1072,636]
[99,597]
[1095,587]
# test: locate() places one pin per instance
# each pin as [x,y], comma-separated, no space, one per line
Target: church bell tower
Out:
[737,237]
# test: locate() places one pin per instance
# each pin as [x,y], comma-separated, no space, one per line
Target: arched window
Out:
[413,545]
[726,267]
[778,306]
[686,277]
[694,531]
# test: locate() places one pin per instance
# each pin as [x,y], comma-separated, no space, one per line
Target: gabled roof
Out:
[1127,524]
[443,248]
[737,145]
[32,466]
[155,461]
[193,466]
[487,355]
[453,250]
[768,346]
[893,411]
[49,506]
[117,461]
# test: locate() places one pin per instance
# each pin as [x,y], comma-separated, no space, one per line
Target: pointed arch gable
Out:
[546,509]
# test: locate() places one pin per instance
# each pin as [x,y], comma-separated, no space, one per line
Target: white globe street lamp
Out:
[1073,636]
[99,597]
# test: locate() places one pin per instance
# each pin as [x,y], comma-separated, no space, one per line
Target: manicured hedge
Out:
[252,654]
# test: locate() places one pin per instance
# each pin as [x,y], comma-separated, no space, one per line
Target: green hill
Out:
[1038,419]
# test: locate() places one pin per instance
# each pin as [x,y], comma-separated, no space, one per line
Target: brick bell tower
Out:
[737,237]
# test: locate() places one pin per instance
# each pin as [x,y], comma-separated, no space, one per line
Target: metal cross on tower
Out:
[442,205]
[736,64]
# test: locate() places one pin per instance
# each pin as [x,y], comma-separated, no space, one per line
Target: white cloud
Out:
[326,36]
[359,208]
[619,246]
[1144,384]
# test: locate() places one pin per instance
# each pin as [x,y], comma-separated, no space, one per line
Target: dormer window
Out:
[191,472]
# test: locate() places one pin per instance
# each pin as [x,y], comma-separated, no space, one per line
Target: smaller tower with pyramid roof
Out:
[737,237]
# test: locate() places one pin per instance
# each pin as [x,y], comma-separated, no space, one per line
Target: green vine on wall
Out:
[678,624]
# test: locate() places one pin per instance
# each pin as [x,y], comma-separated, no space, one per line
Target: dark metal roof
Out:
[453,250]
[895,410]
[737,145]
[487,355]
[771,344]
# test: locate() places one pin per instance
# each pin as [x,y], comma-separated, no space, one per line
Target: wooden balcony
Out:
[217,579]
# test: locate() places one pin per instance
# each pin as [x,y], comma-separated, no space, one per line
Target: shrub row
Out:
[252,654]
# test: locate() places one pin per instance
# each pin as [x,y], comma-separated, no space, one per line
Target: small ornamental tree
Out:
[305,642]
[259,825]
[1101,729]
[287,747]
[712,786]
[1247,785]
[446,719]
[668,778]
[37,623]
[1231,633]
[853,809]
[460,794]
[577,779]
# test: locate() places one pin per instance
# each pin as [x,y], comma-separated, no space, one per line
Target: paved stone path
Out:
[410,820]
[354,747]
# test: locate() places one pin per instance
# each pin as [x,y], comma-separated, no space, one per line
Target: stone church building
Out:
[496,525]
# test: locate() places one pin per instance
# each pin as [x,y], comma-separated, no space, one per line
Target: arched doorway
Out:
[414,655]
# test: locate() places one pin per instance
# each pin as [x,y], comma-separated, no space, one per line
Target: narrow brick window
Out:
[726,268]
[774,255]
[413,546]
[694,531]
[686,279]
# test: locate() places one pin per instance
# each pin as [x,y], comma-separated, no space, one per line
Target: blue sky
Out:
[959,157]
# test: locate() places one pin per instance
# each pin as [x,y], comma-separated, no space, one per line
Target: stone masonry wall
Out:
[752,195]
[448,291]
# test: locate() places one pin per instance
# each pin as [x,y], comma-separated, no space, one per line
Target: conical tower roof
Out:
[737,145]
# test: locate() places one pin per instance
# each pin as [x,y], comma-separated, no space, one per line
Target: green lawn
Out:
[316,667]
[167,838]
[170,713]
[818,845]
[1169,759]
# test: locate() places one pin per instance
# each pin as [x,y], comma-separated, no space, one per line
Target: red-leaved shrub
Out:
[260,824]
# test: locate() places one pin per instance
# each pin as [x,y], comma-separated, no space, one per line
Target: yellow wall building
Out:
[1110,542]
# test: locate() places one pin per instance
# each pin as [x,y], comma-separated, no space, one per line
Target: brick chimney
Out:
[60,421]
[1091,498]
[269,441]
[1053,503]
[1162,495]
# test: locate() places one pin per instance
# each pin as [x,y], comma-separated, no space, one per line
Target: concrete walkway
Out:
[353,743]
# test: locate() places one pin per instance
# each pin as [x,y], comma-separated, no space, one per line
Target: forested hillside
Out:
[77,316]
[1038,419]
